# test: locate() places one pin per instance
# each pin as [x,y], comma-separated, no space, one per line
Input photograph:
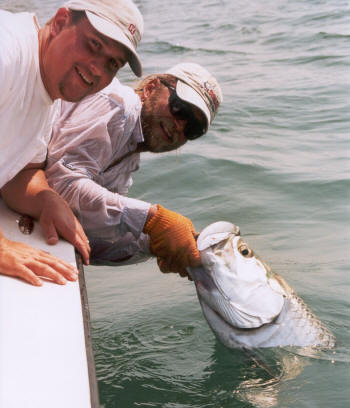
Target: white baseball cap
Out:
[197,86]
[120,20]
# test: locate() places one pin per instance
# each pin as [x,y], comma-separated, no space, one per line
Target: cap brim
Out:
[112,31]
[188,94]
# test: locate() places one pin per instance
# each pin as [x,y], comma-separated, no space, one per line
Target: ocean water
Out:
[276,163]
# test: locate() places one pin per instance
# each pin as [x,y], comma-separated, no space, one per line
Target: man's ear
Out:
[150,88]
[61,20]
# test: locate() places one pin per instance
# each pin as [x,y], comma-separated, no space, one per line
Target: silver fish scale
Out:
[300,326]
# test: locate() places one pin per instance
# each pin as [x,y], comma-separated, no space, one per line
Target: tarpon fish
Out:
[245,303]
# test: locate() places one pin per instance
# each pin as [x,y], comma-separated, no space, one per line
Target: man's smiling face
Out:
[78,60]
[162,131]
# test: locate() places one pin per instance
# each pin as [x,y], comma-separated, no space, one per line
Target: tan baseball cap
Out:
[120,20]
[197,86]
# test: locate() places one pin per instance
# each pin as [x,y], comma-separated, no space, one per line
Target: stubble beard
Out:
[64,89]
[147,126]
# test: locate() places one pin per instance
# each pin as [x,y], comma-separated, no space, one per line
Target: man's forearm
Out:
[102,212]
[29,193]
[25,192]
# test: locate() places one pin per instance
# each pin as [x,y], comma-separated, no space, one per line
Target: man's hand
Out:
[22,261]
[165,267]
[56,218]
[29,193]
[172,240]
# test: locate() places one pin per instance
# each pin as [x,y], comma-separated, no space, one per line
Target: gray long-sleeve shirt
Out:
[87,138]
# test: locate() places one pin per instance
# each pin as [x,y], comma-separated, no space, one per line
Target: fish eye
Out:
[244,250]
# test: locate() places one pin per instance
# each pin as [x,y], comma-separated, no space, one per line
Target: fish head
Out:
[232,282]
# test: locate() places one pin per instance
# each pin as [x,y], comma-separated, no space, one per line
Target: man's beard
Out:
[147,123]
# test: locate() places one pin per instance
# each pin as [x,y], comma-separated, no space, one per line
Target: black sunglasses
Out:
[183,111]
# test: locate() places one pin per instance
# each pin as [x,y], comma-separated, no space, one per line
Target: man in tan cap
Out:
[96,145]
[77,53]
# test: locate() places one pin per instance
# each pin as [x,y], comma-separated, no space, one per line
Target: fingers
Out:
[22,261]
[194,256]
[36,269]
[195,259]
[27,275]
[59,275]
[49,231]
[81,243]
[62,221]
[167,267]
[45,265]
[54,268]
[163,265]
[172,240]
[180,258]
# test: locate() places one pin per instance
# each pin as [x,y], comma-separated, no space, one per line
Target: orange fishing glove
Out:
[172,240]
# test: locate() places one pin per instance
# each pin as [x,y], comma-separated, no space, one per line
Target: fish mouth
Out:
[209,310]
[229,314]
[211,313]
[222,312]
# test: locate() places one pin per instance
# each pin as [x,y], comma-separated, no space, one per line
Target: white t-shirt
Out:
[26,109]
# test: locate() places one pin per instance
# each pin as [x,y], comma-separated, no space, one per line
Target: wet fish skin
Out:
[244,302]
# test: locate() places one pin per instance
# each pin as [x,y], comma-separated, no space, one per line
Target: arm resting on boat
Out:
[29,193]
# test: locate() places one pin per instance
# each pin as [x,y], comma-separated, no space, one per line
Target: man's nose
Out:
[96,67]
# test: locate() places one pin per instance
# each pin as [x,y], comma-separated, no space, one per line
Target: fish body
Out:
[245,303]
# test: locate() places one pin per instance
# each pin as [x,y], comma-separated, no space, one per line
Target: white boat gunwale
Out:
[46,351]
[94,395]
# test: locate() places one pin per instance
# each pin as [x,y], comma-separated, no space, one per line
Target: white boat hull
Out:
[43,355]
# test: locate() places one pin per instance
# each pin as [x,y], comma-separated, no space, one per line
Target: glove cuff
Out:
[158,217]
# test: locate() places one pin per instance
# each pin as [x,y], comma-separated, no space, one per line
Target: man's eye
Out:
[113,64]
[95,45]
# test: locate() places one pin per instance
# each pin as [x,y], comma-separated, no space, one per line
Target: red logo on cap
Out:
[132,29]
[213,98]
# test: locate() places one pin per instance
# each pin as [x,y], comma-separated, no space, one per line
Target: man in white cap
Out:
[77,53]
[96,145]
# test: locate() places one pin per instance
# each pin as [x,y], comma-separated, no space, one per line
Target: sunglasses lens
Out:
[179,108]
[183,111]
[194,129]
